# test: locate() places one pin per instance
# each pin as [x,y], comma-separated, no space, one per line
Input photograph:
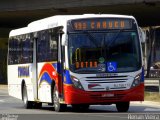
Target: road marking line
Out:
[1,100]
[4,96]
[152,109]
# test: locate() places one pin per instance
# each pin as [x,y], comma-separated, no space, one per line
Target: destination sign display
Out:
[101,24]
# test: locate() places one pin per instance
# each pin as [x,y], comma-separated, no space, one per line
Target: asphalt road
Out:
[12,109]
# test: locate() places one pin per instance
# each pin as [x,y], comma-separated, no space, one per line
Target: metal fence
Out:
[152,83]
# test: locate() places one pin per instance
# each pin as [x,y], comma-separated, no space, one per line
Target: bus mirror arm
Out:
[60,31]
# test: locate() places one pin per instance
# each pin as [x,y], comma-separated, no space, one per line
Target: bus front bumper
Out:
[77,96]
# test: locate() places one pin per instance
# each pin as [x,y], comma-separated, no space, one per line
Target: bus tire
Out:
[27,104]
[122,106]
[58,107]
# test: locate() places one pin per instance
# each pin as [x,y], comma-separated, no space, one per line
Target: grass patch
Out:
[152,96]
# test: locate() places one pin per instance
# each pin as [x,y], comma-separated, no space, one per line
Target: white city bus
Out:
[77,60]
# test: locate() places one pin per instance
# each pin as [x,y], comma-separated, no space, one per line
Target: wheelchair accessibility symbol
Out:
[111,66]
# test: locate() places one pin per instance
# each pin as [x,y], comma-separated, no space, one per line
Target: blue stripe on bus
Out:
[57,67]
[45,77]
[68,78]
[142,75]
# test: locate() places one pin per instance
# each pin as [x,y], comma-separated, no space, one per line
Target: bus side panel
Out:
[14,83]
[48,74]
[29,81]
[17,74]
[30,92]
[45,79]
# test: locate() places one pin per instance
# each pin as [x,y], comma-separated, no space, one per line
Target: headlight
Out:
[137,80]
[76,82]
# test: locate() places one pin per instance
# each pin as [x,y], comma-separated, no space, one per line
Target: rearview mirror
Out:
[142,35]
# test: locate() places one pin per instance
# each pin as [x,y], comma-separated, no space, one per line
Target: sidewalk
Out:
[3,90]
[150,103]
[3,87]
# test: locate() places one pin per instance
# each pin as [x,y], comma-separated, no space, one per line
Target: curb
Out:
[3,86]
[147,103]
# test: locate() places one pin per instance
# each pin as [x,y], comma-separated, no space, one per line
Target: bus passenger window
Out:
[27,51]
[47,45]
[14,50]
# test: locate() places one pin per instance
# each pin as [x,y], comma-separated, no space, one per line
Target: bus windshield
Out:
[92,52]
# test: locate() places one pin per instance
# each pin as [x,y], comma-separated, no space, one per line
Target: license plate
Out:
[120,85]
[108,95]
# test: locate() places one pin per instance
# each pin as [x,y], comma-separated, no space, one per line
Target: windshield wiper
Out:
[113,40]
[93,39]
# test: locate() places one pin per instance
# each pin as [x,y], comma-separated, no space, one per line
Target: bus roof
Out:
[58,20]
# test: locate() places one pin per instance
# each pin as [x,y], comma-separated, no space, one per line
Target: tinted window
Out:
[47,45]
[27,51]
[14,50]
[89,51]
[20,49]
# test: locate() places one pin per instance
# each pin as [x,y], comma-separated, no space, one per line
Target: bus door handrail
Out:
[78,51]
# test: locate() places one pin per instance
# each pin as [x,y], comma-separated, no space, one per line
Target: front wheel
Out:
[122,106]
[57,105]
